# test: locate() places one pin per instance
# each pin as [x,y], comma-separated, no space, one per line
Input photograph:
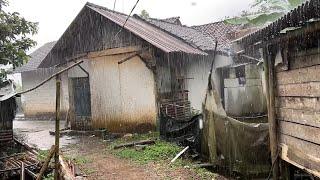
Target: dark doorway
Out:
[81,99]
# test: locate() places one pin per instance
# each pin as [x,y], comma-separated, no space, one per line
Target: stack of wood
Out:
[15,164]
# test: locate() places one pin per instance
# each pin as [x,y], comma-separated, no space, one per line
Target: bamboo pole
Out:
[57,135]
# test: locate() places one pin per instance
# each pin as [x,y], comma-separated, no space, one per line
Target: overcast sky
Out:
[54,16]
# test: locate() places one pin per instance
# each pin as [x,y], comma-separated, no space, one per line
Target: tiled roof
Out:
[219,31]
[149,33]
[36,57]
[187,34]
[173,20]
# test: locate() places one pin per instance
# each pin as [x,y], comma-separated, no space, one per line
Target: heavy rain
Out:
[197,91]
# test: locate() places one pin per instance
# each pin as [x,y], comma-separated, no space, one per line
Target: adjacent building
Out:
[40,103]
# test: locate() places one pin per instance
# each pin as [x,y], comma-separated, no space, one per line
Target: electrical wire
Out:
[135,5]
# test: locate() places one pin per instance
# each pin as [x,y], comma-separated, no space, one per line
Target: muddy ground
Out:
[95,159]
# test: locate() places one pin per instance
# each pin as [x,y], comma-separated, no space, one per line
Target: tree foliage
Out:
[144,14]
[14,37]
[264,12]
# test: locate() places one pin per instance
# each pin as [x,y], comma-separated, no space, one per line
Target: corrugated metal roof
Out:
[37,57]
[146,31]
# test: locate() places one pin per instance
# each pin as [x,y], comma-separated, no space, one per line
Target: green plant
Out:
[14,38]
[144,14]
[49,176]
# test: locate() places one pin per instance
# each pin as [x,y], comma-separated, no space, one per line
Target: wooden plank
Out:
[302,103]
[311,89]
[305,61]
[304,146]
[300,131]
[299,116]
[114,51]
[301,160]
[302,75]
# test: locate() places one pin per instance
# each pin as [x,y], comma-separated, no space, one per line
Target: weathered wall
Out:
[122,96]
[245,98]
[40,103]
[197,72]
[297,111]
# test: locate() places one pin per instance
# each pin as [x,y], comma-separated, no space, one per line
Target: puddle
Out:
[36,133]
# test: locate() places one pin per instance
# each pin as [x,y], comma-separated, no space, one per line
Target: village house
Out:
[40,103]
[290,48]
[170,75]
[140,56]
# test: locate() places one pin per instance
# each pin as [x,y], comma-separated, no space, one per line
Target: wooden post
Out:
[271,111]
[46,163]
[22,171]
[57,135]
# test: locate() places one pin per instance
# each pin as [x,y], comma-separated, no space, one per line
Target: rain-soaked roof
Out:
[146,31]
[37,57]
[220,31]
[300,16]
[189,35]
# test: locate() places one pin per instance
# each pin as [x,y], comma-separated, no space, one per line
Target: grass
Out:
[43,155]
[161,152]
[79,160]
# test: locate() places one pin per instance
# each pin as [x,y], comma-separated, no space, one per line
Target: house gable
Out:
[97,28]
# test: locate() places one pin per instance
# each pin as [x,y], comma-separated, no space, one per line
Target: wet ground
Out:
[96,160]
[36,133]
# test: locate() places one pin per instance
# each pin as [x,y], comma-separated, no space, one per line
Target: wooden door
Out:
[81,102]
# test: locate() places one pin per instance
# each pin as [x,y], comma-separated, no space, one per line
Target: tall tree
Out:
[15,38]
[264,12]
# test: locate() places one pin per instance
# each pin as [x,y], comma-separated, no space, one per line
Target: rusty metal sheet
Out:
[151,34]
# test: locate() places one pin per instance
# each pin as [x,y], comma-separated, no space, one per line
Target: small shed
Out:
[40,103]
[291,55]
[7,111]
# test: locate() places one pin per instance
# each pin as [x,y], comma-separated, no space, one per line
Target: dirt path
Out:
[98,163]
